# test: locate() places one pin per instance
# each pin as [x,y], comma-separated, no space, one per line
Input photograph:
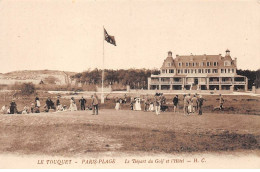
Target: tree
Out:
[250,74]
[50,80]
[257,80]
[27,88]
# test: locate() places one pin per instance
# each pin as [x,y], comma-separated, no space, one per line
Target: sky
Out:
[68,35]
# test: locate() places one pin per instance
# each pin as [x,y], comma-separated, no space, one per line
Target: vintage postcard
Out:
[97,84]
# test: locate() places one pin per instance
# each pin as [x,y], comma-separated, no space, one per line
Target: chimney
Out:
[235,62]
[205,57]
[219,57]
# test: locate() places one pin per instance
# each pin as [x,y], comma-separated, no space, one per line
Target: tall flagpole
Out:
[102,94]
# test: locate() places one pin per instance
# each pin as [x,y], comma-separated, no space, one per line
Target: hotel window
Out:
[191,71]
[169,64]
[208,63]
[199,71]
[201,63]
[179,64]
[215,63]
[179,71]
[202,70]
[171,71]
[163,71]
[209,71]
[195,70]
[222,70]
[214,70]
[233,71]
[185,70]
[187,64]
[193,64]
[228,70]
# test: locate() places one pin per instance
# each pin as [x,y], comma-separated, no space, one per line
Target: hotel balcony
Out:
[214,82]
[240,82]
[226,82]
[155,82]
[167,82]
[176,82]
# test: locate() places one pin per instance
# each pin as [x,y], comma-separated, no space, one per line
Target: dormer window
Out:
[179,64]
[169,64]
[226,63]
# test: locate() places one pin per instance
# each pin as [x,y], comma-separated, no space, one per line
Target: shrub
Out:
[27,88]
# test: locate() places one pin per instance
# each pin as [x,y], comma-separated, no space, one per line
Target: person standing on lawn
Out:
[94,104]
[200,101]
[82,103]
[221,102]
[194,103]
[58,101]
[175,103]
[49,103]
[185,104]
[146,103]
[117,107]
[13,108]
[37,102]
[157,104]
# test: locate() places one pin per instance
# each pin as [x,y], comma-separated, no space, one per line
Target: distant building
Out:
[198,72]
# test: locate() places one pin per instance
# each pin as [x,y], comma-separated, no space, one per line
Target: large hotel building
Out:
[198,72]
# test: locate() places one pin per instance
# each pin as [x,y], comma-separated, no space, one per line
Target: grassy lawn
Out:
[125,131]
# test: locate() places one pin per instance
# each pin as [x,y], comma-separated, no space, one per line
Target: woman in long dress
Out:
[117,107]
[151,107]
[138,104]
[73,106]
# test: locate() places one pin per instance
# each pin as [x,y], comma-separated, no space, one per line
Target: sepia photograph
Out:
[130,84]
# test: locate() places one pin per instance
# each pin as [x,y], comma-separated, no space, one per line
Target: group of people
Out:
[191,103]
[50,106]
[156,104]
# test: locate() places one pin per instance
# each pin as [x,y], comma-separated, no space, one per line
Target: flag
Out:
[110,39]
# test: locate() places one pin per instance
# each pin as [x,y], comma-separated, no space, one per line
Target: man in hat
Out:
[221,102]
[49,103]
[157,104]
[13,109]
[175,103]
[94,104]
[200,101]
[82,103]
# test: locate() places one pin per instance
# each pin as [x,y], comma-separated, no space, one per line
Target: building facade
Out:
[198,72]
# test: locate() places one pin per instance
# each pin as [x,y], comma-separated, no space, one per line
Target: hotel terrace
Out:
[198,72]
